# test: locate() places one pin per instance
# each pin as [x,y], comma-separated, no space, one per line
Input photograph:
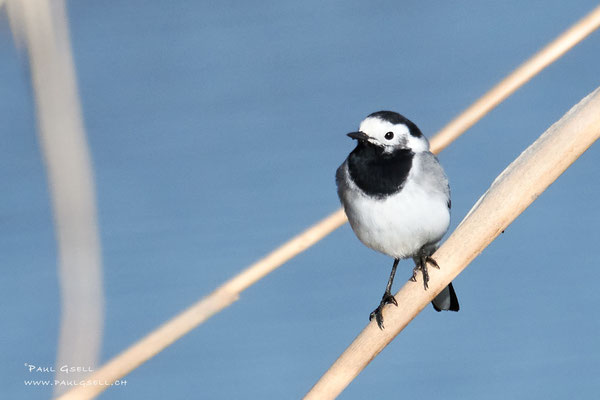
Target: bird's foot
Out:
[377,313]
[421,265]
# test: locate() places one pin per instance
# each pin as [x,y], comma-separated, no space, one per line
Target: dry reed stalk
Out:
[508,196]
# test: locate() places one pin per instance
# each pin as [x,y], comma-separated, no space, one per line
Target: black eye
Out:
[389,135]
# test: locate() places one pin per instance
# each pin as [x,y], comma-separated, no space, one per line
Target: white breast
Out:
[401,224]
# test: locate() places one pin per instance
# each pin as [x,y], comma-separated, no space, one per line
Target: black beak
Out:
[361,136]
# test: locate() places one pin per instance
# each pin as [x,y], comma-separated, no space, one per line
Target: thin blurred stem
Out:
[41,26]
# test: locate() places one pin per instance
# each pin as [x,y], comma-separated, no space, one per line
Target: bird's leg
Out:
[388,297]
[421,264]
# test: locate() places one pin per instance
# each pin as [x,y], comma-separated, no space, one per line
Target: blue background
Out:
[215,130]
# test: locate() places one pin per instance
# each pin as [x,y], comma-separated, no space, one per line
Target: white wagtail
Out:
[397,198]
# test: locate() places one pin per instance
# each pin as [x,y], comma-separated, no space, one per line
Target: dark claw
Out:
[425,276]
[432,262]
[421,265]
[387,298]
[378,317]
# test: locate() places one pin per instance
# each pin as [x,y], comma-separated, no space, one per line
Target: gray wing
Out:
[341,181]
[432,175]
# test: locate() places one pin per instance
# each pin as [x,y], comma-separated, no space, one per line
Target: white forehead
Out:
[376,127]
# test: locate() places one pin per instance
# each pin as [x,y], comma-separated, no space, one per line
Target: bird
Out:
[396,196]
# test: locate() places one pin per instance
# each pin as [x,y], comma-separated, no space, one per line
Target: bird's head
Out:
[390,131]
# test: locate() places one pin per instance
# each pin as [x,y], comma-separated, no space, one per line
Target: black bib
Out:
[376,173]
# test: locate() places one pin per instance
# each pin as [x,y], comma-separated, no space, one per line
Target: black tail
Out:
[446,300]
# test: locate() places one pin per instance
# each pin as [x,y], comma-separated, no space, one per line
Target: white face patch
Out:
[390,136]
